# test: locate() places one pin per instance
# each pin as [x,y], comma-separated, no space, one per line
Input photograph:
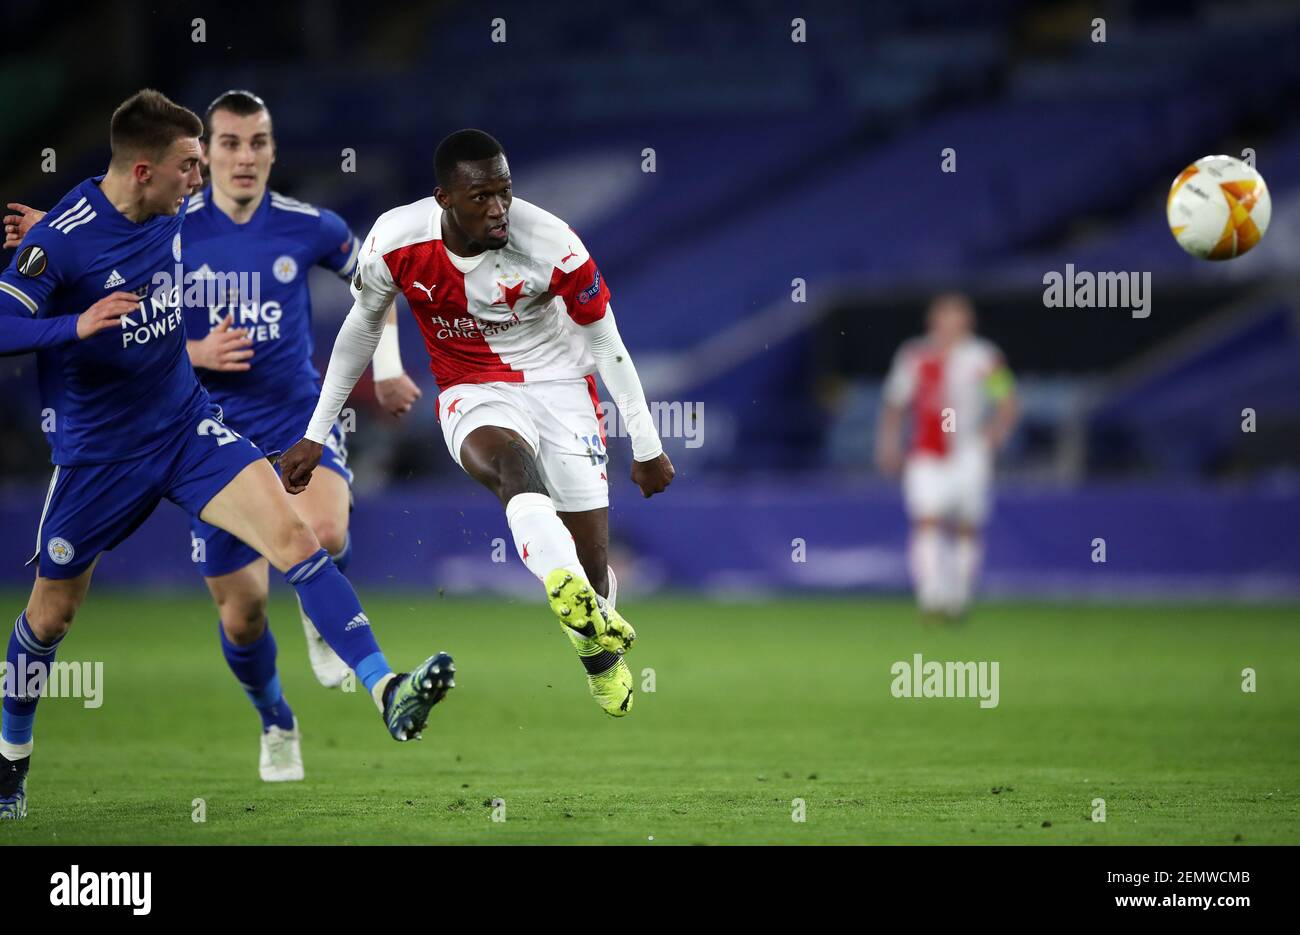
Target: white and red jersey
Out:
[504,316]
[943,386]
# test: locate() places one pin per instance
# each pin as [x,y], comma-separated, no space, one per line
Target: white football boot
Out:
[281,759]
[329,668]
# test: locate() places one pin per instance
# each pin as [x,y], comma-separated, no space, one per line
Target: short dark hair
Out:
[147,122]
[462,146]
[236,101]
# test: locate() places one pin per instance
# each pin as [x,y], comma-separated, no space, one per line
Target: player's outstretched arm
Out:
[21,333]
[17,225]
[652,470]
[353,349]
[22,330]
[394,390]
[27,286]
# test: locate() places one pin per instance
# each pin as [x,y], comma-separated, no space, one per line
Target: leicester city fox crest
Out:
[60,551]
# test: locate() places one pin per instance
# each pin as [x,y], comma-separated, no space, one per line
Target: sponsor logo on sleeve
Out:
[32,261]
[586,295]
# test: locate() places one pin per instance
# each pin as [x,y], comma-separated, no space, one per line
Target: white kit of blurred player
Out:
[961,399]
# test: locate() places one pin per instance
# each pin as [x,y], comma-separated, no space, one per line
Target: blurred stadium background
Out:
[777,161]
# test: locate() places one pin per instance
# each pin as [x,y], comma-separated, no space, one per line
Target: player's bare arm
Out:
[653,476]
[224,348]
[106,313]
[297,463]
[17,225]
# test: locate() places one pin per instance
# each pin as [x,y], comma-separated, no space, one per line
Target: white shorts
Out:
[954,488]
[558,420]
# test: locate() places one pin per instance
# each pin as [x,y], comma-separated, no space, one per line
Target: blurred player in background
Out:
[253,353]
[516,318]
[961,397]
[95,291]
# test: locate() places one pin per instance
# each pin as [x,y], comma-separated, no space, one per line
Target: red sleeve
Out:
[583,290]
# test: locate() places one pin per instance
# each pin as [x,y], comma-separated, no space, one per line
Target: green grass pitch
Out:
[755,705]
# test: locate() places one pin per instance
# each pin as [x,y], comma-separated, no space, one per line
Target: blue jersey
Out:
[257,271]
[124,392]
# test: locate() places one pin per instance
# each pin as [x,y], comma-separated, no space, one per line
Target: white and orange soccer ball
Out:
[1218,208]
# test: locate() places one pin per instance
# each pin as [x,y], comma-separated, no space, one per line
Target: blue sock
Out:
[332,605]
[25,650]
[254,666]
[343,555]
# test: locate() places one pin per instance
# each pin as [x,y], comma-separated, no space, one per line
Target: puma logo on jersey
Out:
[428,290]
[572,254]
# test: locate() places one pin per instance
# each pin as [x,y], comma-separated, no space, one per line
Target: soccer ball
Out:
[1218,208]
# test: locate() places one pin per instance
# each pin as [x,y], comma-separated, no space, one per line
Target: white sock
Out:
[926,560]
[967,552]
[613,586]
[541,538]
[15,751]
[377,693]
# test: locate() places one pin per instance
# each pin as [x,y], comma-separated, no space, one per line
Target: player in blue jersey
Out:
[98,289]
[252,349]
[247,253]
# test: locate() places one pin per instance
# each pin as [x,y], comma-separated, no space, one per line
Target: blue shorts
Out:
[216,552]
[90,508]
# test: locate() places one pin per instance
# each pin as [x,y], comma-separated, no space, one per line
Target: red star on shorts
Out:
[509,294]
[525,551]
[451,406]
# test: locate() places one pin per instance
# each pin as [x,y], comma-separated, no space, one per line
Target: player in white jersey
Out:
[963,405]
[516,319]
